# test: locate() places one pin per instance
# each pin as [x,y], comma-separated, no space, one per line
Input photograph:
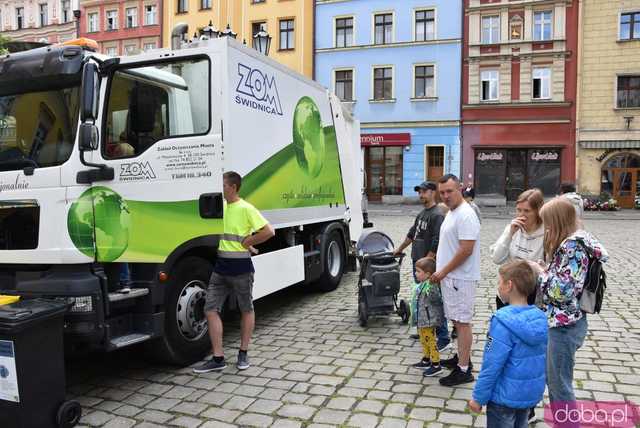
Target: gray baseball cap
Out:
[426,185]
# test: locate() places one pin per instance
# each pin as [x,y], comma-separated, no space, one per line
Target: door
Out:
[516,179]
[163,144]
[434,163]
[375,173]
[625,183]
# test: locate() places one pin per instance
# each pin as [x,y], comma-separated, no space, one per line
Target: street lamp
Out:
[210,31]
[228,33]
[262,42]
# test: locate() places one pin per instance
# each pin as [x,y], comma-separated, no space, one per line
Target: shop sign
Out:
[545,156]
[401,139]
[495,156]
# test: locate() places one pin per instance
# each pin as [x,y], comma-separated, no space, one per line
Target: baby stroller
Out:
[379,279]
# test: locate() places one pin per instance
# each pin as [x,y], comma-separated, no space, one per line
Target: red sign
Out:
[385,139]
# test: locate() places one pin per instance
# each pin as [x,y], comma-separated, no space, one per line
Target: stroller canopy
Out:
[373,242]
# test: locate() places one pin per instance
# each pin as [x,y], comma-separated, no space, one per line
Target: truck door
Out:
[159,135]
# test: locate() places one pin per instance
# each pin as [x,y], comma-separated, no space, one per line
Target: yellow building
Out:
[609,99]
[288,22]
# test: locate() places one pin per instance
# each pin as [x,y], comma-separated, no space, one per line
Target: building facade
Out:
[45,21]
[609,99]
[122,27]
[397,65]
[519,96]
[288,22]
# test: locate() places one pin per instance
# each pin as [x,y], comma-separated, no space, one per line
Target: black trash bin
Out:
[32,378]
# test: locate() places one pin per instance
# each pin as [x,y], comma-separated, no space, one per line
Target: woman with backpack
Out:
[567,250]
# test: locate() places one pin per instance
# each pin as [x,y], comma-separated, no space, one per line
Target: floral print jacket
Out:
[562,282]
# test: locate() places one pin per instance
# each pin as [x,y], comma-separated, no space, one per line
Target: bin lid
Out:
[17,315]
[374,241]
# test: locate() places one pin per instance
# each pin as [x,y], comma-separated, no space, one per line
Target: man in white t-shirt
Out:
[458,271]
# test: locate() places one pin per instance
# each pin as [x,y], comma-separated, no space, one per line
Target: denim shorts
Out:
[222,286]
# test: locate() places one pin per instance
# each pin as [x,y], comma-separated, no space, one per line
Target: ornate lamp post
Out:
[228,33]
[210,31]
[262,42]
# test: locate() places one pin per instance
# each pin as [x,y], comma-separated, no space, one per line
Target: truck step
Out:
[134,293]
[128,339]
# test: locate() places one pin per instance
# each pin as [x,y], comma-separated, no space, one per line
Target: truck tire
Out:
[334,263]
[186,338]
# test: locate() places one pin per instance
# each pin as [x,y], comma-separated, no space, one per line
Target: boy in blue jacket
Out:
[512,378]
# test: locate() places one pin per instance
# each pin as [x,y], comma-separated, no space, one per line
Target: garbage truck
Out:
[111,164]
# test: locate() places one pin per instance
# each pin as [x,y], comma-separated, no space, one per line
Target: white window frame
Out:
[435,23]
[126,49]
[393,26]
[491,81]
[115,21]
[435,80]
[149,46]
[46,14]
[353,82]
[335,29]
[153,13]
[63,9]
[373,83]
[542,12]
[544,73]
[21,15]
[491,29]
[90,28]
[135,16]
[207,6]
[115,51]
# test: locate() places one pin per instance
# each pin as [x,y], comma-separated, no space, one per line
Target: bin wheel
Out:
[362,314]
[403,311]
[69,414]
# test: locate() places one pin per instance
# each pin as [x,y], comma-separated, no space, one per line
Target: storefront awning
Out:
[610,144]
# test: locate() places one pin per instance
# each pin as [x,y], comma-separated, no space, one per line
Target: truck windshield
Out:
[38,128]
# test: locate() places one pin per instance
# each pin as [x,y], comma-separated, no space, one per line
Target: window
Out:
[19,18]
[424,84]
[489,87]
[491,29]
[112,20]
[150,14]
[628,91]
[256,27]
[383,28]
[130,50]
[257,1]
[43,10]
[112,51]
[344,84]
[541,83]
[542,26]
[139,112]
[205,4]
[344,32]
[183,6]
[287,35]
[382,83]
[66,11]
[149,46]
[92,22]
[132,17]
[630,26]
[425,25]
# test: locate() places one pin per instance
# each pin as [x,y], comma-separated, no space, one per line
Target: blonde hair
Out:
[559,218]
[535,199]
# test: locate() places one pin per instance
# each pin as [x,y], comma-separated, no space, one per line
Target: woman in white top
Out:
[523,237]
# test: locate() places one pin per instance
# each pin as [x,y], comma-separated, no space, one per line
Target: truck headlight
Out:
[81,304]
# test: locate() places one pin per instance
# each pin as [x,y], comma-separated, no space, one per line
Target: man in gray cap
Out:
[424,236]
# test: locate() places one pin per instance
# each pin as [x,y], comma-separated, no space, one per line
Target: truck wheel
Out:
[68,414]
[186,337]
[334,263]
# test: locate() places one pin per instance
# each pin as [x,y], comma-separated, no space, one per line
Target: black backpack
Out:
[590,300]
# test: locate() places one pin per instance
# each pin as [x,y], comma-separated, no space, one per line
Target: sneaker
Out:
[414,336]
[457,377]
[125,289]
[433,370]
[452,363]
[243,361]
[532,414]
[210,366]
[424,364]
[443,345]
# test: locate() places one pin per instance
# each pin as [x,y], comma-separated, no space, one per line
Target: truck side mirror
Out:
[89,96]
[88,138]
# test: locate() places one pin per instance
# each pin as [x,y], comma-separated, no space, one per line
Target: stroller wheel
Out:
[362,314]
[403,311]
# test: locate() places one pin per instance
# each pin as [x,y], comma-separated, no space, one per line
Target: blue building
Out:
[398,64]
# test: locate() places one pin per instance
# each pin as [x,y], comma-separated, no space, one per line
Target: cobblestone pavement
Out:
[312,365]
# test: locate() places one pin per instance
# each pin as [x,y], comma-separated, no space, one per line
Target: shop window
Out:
[490,172]
[543,170]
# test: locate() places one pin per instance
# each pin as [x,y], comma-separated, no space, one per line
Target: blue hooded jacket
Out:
[513,365]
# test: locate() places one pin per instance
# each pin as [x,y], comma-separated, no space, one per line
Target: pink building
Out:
[50,21]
